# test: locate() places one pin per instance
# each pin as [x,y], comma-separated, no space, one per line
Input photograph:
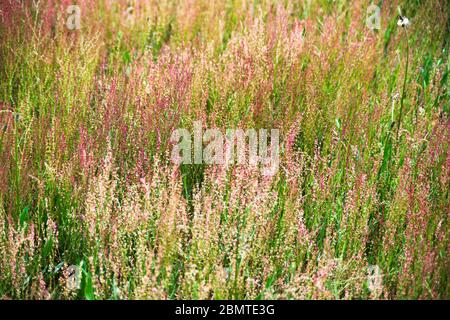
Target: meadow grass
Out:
[86,178]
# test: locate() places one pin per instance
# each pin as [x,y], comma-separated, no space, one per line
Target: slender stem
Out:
[404,83]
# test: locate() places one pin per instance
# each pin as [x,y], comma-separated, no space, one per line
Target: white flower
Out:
[403,22]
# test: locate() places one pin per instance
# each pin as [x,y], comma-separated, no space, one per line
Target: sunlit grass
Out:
[86,178]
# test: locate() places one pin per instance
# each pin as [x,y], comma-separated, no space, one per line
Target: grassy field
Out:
[92,207]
